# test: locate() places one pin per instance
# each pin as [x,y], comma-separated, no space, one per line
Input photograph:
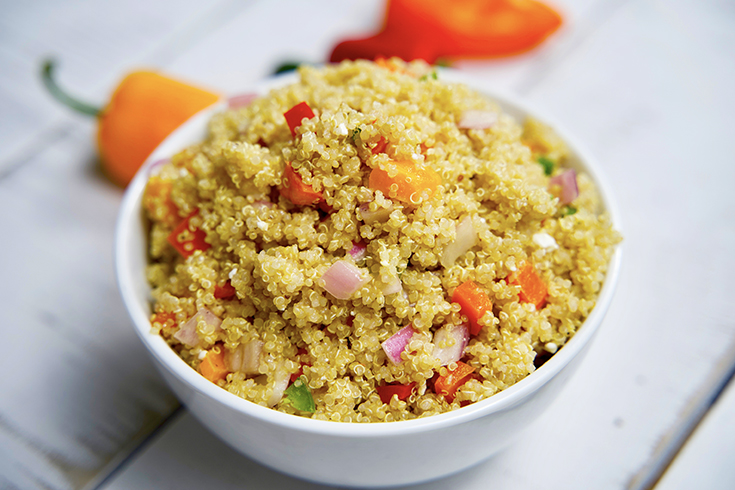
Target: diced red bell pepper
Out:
[296,114]
[448,385]
[386,392]
[294,189]
[380,146]
[297,374]
[187,239]
[226,291]
[474,302]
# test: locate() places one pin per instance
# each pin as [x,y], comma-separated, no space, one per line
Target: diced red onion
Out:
[397,343]
[379,215]
[466,238]
[456,335]
[245,358]
[263,203]
[358,251]
[567,180]
[393,287]
[281,378]
[155,167]
[188,335]
[242,100]
[343,279]
[474,119]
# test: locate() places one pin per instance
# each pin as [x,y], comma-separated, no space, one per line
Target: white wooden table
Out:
[646,84]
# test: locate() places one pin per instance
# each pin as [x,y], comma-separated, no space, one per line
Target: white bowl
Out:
[378,454]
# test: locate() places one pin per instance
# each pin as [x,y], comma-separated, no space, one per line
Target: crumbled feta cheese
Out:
[544,240]
[232,273]
[262,225]
[551,347]
[202,355]
[341,130]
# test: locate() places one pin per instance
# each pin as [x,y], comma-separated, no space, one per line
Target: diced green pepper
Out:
[569,210]
[548,165]
[299,396]
[286,67]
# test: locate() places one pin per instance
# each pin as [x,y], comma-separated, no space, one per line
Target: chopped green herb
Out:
[547,163]
[432,75]
[299,396]
[356,135]
[445,62]
[569,210]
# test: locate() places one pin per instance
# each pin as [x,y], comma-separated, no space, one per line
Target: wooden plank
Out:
[78,385]
[95,41]
[205,462]
[706,459]
[640,91]
[250,46]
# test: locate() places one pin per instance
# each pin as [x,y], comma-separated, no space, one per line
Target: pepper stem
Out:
[47,75]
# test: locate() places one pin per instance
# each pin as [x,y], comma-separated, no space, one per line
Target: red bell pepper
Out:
[434,29]
[386,392]
[187,239]
[294,189]
[226,291]
[296,114]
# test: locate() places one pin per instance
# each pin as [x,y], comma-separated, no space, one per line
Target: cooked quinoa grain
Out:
[390,249]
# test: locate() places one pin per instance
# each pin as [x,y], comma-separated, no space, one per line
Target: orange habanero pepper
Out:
[144,109]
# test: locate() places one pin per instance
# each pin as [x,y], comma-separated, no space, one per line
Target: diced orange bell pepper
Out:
[474,302]
[533,288]
[405,181]
[294,189]
[157,201]
[164,319]
[213,366]
[448,385]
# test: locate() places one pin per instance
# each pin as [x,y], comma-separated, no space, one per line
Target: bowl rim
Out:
[129,216]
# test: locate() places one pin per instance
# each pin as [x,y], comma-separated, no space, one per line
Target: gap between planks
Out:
[671,444]
[130,452]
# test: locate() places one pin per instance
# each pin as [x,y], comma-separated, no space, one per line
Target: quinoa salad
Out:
[372,244]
